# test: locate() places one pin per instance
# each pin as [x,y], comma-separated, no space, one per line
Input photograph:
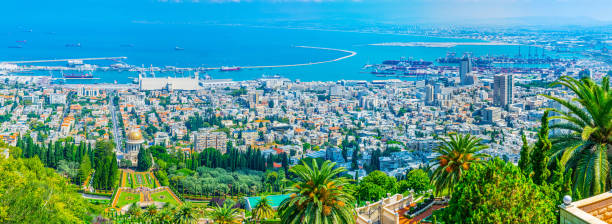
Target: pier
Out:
[60,60]
[351,54]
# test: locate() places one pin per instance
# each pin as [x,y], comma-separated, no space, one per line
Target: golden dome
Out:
[135,135]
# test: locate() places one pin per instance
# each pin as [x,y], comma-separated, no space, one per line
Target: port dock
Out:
[61,60]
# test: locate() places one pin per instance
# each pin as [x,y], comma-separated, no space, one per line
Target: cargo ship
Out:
[404,62]
[78,76]
[227,69]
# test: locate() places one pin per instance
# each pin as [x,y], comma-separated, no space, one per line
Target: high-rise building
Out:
[503,86]
[465,67]
[429,94]
[204,139]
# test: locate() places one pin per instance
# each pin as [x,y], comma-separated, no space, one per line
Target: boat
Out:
[383,72]
[78,76]
[73,45]
[22,41]
[178,48]
[229,68]
[15,46]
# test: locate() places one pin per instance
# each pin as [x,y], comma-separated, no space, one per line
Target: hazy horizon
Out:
[343,12]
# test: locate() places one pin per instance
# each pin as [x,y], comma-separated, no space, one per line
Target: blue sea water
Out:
[217,45]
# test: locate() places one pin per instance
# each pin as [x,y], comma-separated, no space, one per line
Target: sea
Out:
[151,44]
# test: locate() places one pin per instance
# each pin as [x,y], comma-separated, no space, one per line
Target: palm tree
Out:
[585,134]
[224,214]
[318,196]
[263,210]
[134,211]
[150,212]
[184,214]
[165,215]
[457,154]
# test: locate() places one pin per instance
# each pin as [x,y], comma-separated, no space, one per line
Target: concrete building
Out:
[249,137]
[429,95]
[162,138]
[465,67]
[57,99]
[334,155]
[168,83]
[492,114]
[88,91]
[208,138]
[503,86]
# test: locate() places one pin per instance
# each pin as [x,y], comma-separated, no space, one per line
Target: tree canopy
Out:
[498,192]
[31,193]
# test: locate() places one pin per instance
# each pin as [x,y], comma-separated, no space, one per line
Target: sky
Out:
[67,12]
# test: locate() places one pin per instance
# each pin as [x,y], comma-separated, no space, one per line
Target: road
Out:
[117,133]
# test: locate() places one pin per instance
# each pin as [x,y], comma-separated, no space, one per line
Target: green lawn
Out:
[165,197]
[145,181]
[127,198]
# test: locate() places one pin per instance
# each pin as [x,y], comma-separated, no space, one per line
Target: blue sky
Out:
[67,12]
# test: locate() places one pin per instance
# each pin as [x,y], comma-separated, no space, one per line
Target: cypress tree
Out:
[539,159]
[524,162]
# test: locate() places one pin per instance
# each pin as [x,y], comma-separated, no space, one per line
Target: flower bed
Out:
[420,208]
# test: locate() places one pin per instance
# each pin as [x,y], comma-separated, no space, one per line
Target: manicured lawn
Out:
[127,198]
[150,180]
[165,197]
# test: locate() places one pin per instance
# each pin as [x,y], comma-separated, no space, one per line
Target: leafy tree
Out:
[318,196]
[457,155]
[263,210]
[418,180]
[583,142]
[31,193]
[376,185]
[498,192]
[144,160]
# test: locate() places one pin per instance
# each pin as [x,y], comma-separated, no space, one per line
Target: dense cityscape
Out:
[505,124]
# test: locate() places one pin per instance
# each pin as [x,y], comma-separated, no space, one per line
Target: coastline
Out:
[351,54]
[442,44]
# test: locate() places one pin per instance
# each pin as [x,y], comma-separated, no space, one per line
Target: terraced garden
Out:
[164,196]
[129,192]
[126,198]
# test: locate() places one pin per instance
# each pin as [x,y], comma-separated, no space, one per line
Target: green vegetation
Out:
[375,185]
[417,180]
[263,210]
[107,172]
[31,193]
[224,214]
[126,198]
[318,196]
[588,123]
[217,181]
[144,160]
[164,196]
[457,155]
[498,192]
